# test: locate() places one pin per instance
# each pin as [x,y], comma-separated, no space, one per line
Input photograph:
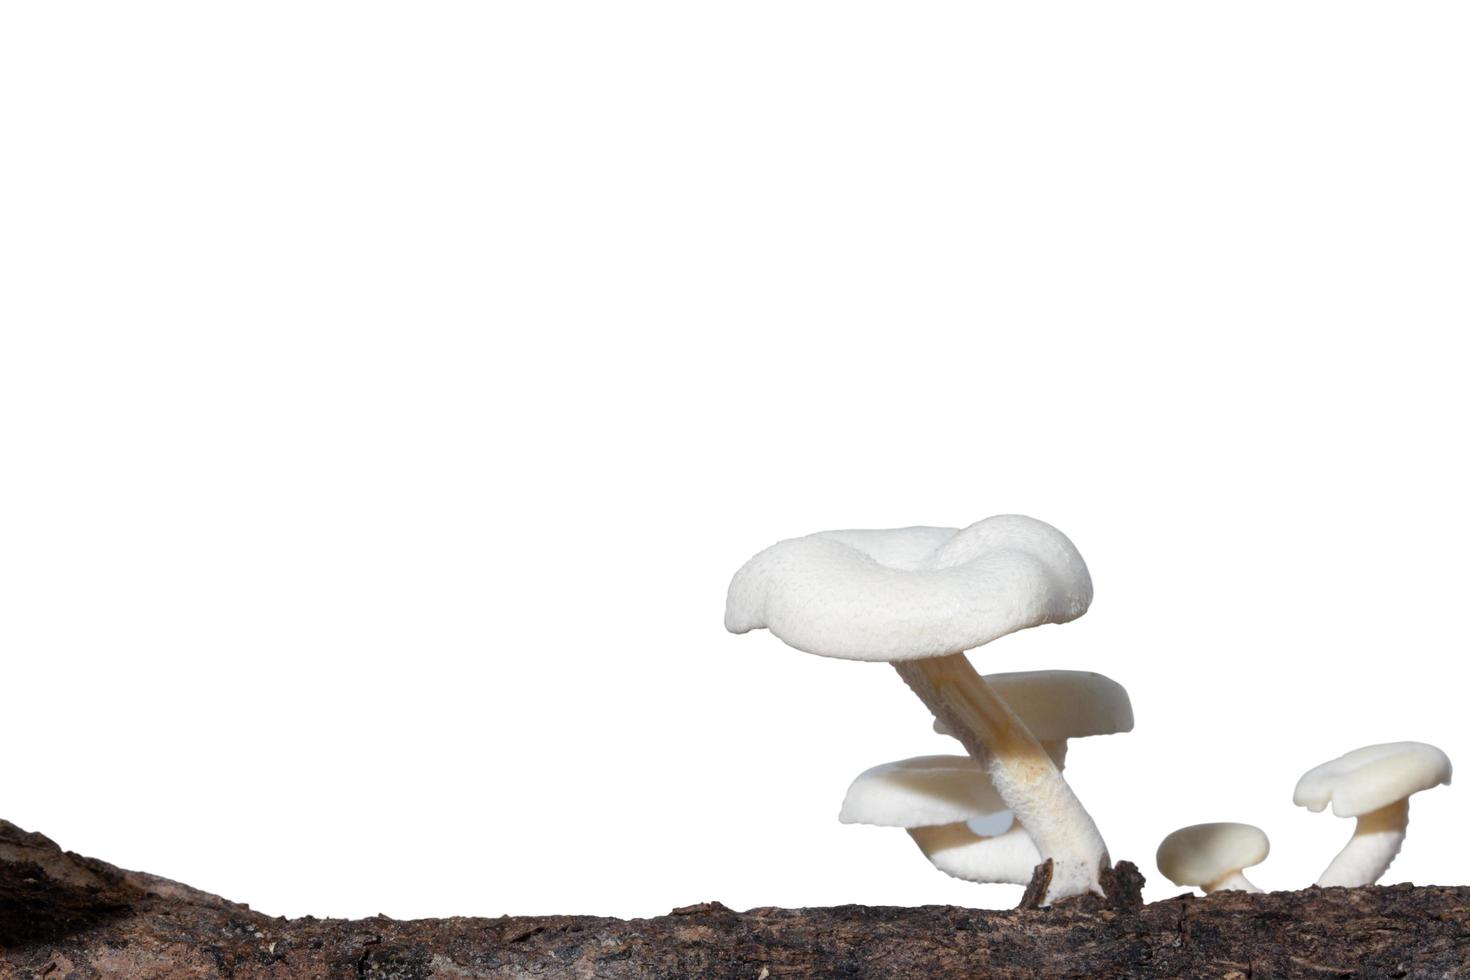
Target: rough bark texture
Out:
[63,916]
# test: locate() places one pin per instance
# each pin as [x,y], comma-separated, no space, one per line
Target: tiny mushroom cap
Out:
[925,792]
[1373,777]
[1211,855]
[910,593]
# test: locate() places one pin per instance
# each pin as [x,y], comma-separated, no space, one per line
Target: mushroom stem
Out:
[1235,881]
[1376,840]
[1018,766]
[1008,858]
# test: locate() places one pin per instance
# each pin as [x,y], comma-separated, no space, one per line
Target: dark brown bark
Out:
[62,915]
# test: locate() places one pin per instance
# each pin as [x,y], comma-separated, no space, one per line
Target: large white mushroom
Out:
[918,598]
[1373,784]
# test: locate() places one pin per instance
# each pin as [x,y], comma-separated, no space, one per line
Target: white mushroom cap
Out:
[924,792]
[1372,777]
[910,593]
[1062,704]
[1203,854]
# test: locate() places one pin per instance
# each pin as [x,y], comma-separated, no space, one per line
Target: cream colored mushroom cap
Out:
[1056,704]
[910,593]
[1372,777]
[1206,852]
[922,792]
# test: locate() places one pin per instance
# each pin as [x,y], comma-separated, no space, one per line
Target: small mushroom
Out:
[1211,856]
[951,811]
[918,598]
[1057,705]
[1374,784]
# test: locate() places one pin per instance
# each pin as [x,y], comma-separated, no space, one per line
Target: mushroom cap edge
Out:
[1372,777]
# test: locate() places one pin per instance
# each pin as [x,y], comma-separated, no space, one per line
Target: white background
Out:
[388,393]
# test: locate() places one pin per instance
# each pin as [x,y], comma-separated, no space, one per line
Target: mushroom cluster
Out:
[948,804]
[1373,784]
[919,598]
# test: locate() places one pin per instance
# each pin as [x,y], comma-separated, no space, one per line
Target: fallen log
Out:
[63,915]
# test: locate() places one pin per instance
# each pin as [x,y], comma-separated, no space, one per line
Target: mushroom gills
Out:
[1009,858]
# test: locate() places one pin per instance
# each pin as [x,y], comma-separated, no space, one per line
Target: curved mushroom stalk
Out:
[1007,859]
[1054,747]
[1377,838]
[1019,768]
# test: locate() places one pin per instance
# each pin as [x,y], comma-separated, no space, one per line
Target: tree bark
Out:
[63,916]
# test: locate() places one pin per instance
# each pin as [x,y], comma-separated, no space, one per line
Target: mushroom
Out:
[951,811]
[1211,856]
[918,598]
[1374,784]
[1060,704]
